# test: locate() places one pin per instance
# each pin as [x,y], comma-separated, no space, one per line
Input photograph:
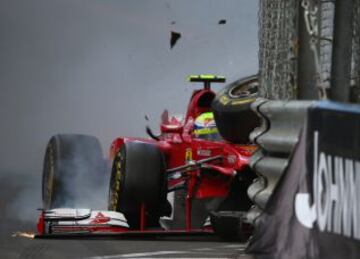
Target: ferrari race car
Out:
[190,178]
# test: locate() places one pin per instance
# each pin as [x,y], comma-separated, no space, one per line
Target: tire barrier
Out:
[281,122]
[312,209]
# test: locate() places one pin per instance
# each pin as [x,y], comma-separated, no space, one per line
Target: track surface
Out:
[130,248]
[110,248]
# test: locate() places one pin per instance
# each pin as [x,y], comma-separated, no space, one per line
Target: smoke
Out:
[82,174]
[81,181]
[87,189]
[20,197]
[88,192]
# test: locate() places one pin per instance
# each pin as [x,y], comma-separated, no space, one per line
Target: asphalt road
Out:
[17,191]
[18,247]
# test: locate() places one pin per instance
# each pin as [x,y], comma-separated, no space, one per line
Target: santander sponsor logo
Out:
[100,219]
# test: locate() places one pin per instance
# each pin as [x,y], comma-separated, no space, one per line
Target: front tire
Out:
[73,168]
[138,177]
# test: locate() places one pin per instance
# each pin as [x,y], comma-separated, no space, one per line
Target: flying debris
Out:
[175,36]
[222,21]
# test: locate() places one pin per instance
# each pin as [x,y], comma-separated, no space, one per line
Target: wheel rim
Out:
[115,182]
[242,91]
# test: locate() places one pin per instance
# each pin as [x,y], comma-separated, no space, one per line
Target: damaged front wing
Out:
[80,221]
[86,222]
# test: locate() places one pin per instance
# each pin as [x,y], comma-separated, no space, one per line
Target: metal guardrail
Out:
[281,122]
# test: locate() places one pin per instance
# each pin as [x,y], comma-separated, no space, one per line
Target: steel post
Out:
[342,48]
[306,65]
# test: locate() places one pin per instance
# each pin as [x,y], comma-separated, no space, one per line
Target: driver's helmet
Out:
[205,127]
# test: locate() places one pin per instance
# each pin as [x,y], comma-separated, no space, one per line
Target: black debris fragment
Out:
[222,21]
[175,36]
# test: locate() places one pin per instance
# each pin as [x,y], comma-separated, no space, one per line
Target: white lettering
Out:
[322,201]
[336,193]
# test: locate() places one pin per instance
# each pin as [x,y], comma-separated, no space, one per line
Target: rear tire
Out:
[73,168]
[138,176]
[231,106]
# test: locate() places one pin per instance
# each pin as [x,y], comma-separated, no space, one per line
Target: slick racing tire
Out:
[231,106]
[73,168]
[138,177]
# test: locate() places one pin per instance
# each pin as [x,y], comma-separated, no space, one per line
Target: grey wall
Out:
[96,67]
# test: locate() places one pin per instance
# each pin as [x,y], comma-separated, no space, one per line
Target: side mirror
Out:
[151,134]
[149,131]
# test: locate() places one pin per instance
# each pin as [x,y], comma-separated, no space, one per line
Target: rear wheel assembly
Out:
[231,227]
[138,177]
[231,106]
[227,227]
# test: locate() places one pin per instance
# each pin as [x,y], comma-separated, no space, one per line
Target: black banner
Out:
[314,211]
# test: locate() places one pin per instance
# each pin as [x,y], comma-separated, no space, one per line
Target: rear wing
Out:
[206,79]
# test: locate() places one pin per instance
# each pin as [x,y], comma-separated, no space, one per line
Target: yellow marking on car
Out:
[188,154]
[206,131]
[237,102]
[224,100]
[118,165]
[115,193]
[205,77]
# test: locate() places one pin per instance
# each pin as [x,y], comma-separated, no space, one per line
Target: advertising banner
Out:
[314,211]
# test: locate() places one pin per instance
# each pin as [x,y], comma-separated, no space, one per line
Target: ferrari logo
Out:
[188,155]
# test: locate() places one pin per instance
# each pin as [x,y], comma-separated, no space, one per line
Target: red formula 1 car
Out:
[187,179]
